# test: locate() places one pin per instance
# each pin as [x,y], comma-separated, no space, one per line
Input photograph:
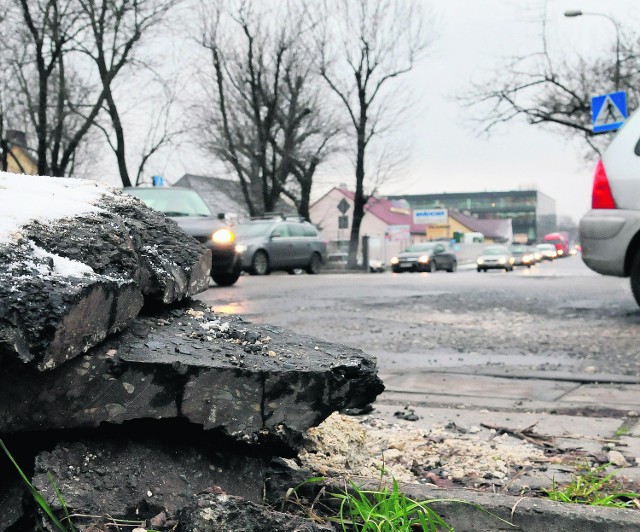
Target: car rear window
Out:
[309,230]
[295,230]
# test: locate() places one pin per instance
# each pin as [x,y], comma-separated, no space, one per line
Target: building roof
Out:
[394,212]
[221,195]
[498,228]
[494,194]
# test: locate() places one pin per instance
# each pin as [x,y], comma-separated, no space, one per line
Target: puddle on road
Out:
[445,358]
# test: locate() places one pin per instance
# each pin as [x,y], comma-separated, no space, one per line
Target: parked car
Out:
[191,213]
[425,257]
[537,254]
[522,255]
[340,260]
[376,266]
[495,257]
[279,242]
[610,231]
[337,261]
[548,251]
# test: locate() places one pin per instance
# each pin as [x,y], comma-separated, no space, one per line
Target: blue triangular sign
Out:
[608,111]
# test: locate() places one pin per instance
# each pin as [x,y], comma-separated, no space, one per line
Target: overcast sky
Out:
[445,155]
[475,37]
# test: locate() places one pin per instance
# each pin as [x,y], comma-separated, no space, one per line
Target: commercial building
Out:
[532,213]
[390,227]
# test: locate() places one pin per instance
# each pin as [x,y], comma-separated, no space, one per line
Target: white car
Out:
[610,231]
[495,258]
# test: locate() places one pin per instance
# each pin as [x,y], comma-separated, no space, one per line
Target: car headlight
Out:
[241,248]
[394,260]
[526,258]
[502,260]
[480,261]
[423,259]
[512,260]
[223,236]
[560,252]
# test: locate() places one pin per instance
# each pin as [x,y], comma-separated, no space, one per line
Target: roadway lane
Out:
[555,317]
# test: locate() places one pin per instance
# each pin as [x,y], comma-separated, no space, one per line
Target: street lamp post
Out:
[578,13]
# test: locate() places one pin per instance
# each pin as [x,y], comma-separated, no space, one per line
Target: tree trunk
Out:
[117,127]
[359,199]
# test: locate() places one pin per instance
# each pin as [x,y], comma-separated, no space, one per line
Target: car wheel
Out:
[315,262]
[433,267]
[260,263]
[453,267]
[479,270]
[225,279]
[635,278]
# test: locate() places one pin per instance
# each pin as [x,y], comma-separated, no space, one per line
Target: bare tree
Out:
[551,91]
[40,39]
[266,122]
[115,28]
[365,46]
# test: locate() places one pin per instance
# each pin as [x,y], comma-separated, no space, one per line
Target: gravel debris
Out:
[366,446]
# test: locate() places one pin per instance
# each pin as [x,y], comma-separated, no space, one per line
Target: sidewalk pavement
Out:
[581,414]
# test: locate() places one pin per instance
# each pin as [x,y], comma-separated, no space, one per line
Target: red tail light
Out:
[601,197]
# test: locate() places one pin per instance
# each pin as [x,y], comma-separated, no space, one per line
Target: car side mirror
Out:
[221,216]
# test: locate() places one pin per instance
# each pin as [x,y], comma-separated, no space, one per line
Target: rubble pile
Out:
[138,402]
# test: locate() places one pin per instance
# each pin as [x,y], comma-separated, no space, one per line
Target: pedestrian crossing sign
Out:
[608,111]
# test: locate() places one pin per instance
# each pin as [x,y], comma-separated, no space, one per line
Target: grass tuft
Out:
[385,510]
[37,496]
[594,487]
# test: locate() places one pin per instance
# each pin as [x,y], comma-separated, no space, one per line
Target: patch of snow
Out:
[62,265]
[25,198]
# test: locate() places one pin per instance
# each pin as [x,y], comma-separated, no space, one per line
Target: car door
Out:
[279,247]
[300,246]
[440,257]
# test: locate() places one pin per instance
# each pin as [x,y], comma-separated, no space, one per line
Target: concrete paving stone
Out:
[579,435]
[572,431]
[478,385]
[625,395]
[630,446]
[479,402]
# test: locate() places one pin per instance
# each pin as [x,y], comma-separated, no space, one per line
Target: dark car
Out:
[285,243]
[522,255]
[188,209]
[425,257]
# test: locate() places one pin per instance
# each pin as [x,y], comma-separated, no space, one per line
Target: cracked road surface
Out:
[553,347]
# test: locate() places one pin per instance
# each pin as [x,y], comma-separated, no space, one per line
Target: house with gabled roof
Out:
[390,227]
[15,154]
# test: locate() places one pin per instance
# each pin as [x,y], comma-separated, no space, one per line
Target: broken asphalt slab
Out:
[254,384]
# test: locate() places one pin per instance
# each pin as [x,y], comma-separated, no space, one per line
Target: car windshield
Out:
[172,201]
[495,251]
[519,249]
[420,247]
[546,246]
[252,230]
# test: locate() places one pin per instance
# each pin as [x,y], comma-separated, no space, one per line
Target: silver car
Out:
[279,243]
[610,231]
[495,258]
